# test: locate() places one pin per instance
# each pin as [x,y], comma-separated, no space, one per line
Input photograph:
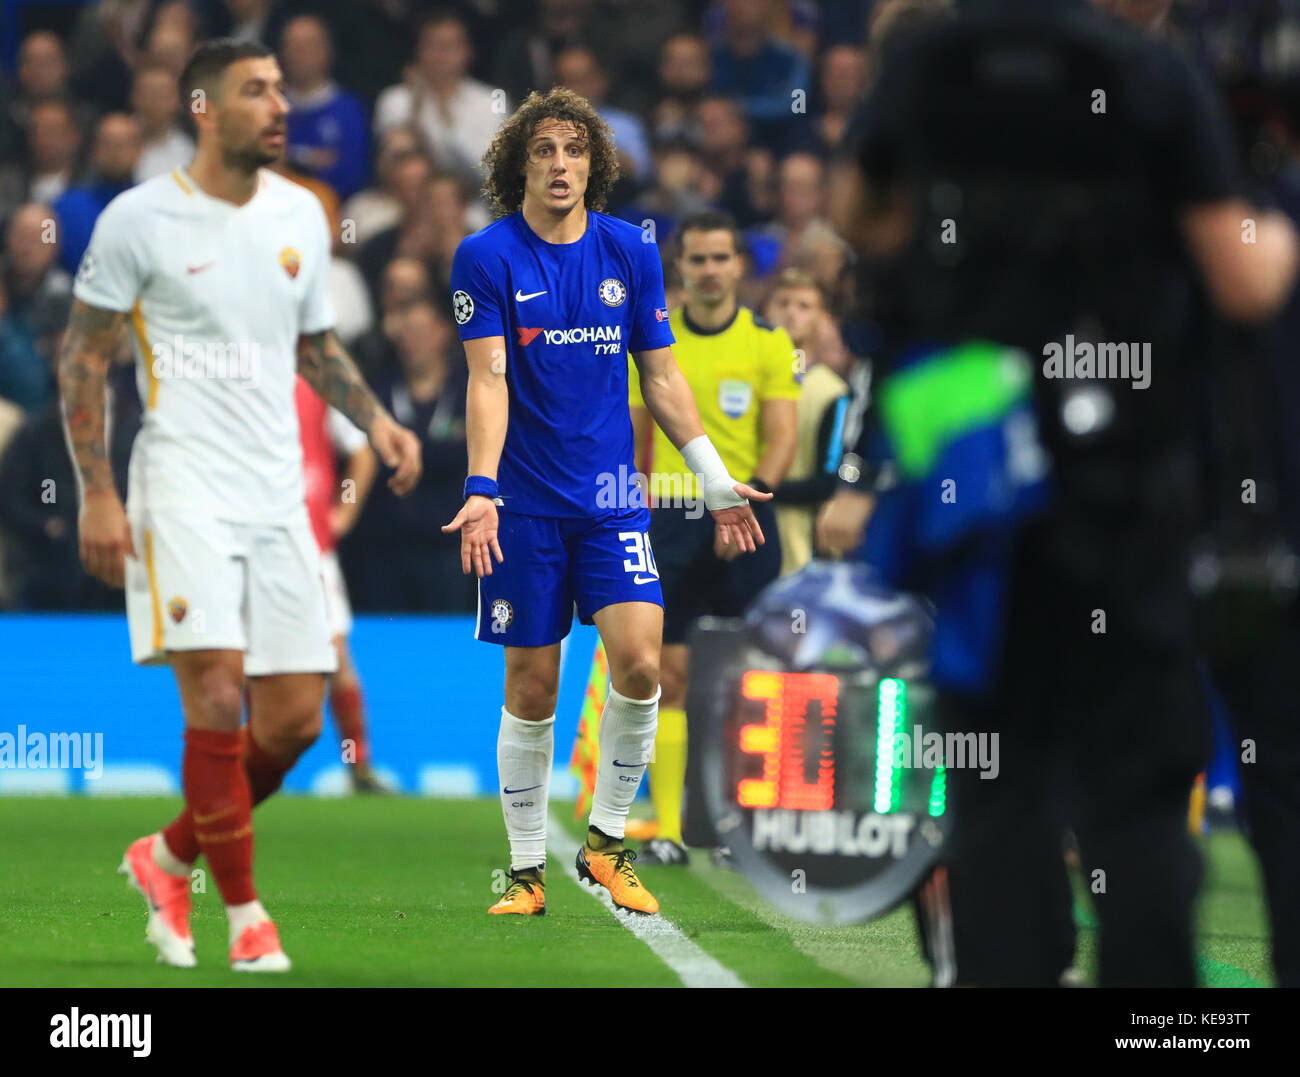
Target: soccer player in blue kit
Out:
[547,298]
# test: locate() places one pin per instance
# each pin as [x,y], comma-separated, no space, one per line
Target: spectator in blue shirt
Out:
[329,133]
[35,297]
[760,70]
[683,79]
[113,160]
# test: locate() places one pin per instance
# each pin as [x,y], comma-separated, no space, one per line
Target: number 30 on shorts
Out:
[637,543]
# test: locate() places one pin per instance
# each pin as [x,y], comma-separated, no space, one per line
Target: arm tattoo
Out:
[84,356]
[326,366]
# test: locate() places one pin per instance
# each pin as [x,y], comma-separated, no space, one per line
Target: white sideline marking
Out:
[665,939]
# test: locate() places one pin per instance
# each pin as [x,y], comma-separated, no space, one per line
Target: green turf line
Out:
[728,932]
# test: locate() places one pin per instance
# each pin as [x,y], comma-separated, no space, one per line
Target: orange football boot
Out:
[613,870]
[525,896]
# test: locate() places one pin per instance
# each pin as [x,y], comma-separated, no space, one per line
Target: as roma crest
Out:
[289,259]
[177,608]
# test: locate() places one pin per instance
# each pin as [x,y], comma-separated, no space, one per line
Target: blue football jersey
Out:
[569,313]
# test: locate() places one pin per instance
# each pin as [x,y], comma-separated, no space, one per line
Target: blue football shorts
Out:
[553,565]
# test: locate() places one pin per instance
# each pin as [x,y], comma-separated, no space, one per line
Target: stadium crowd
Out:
[736,105]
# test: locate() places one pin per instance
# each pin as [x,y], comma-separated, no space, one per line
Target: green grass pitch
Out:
[394,892]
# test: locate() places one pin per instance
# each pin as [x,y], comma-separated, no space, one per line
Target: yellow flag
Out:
[586,746]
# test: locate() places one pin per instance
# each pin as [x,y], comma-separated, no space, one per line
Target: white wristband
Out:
[716,485]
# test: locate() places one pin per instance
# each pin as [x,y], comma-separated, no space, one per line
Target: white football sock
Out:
[165,860]
[242,916]
[524,751]
[627,737]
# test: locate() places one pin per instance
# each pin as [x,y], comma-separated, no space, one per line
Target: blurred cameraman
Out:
[1034,173]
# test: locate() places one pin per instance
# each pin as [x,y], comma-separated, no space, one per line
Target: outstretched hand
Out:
[477,524]
[737,526]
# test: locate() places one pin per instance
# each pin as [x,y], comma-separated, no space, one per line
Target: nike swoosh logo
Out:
[521,298]
[200,269]
[643,579]
[204,820]
[618,764]
[524,790]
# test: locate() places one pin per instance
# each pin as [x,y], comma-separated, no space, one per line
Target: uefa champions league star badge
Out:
[462,306]
[612,292]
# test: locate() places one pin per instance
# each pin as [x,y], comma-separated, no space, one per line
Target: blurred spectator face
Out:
[117,148]
[800,188]
[410,182]
[405,281]
[170,46]
[824,254]
[305,51]
[443,54]
[155,98]
[42,66]
[52,138]
[747,17]
[797,311]
[25,248]
[395,143]
[447,206]
[722,128]
[577,69]
[684,64]
[176,14]
[844,74]
[422,340]
[562,18]
[677,169]
[710,266]
[244,9]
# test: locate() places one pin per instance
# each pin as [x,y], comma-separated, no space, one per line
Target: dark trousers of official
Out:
[1102,733]
[1257,675]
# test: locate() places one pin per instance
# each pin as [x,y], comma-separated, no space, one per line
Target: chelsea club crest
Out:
[612,292]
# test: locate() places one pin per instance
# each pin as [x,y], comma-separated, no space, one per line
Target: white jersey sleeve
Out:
[116,263]
[344,436]
[316,311]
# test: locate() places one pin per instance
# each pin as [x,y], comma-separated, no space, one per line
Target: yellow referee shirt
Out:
[731,371]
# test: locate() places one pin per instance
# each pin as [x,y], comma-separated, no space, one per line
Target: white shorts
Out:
[198,583]
[338,610]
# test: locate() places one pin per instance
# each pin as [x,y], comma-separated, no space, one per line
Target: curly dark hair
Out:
[505,159]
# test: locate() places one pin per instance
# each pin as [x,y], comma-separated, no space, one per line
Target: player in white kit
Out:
[219,272]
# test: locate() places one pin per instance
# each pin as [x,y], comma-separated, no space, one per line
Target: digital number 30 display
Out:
[785,740]
[796,743]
